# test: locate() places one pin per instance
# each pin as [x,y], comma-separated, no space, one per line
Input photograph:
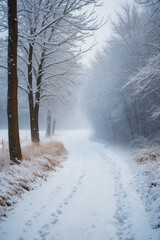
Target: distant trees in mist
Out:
[122,95]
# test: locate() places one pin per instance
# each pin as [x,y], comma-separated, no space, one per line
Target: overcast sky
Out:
[108,9]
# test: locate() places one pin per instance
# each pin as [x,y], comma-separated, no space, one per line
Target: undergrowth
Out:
[38,161]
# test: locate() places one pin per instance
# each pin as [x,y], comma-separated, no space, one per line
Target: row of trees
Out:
[125,107]
[44,49]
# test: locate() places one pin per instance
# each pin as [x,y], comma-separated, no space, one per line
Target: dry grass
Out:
[4,154]
[4,158]
[47,154]
[147,154]
[39,149]
[49,151]
[39,160]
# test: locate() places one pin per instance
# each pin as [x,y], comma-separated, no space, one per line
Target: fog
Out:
[113,88]
[79,115]
[121,94]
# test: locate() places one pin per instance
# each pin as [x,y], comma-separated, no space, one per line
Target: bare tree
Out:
[50,26]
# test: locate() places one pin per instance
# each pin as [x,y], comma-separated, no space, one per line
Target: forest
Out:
[79,120]
[125,108]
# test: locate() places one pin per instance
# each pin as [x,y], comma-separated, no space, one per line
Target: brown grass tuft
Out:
[49,152]
[39,149]
[38,161]
[147,154]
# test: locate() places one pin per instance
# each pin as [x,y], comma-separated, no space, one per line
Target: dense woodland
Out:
[41,47]
[122,96]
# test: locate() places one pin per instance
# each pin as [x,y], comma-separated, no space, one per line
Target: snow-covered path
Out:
[90,198]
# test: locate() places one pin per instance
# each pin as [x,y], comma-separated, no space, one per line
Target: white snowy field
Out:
[91,198]
[24,135]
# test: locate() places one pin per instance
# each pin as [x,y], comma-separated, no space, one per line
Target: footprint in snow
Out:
[54,221]
[70,196]
[29,223]
[45,226]
[74,190]
[36,215]
[43,207]
[59,211]
[43,234]
[53,215]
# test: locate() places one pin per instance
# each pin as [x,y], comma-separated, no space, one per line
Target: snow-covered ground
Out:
[39,161]
[147,179]
[91,198]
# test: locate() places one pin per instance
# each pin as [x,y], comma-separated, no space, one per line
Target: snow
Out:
[93,197]
[38,162]
[147,179]
[24,135]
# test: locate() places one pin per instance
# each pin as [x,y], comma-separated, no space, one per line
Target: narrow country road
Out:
[90,198]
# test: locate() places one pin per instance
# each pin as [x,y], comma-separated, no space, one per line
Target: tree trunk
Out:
[34,105]
[36,137]
[48,130]
[53,126]
[30,91]
[12,106]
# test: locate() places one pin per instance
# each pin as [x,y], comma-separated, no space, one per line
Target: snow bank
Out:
[147,175]
[39,160]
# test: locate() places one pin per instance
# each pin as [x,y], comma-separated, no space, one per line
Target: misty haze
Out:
[80,120]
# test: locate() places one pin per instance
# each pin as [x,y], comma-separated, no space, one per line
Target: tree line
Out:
[122,95]
[45,46]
